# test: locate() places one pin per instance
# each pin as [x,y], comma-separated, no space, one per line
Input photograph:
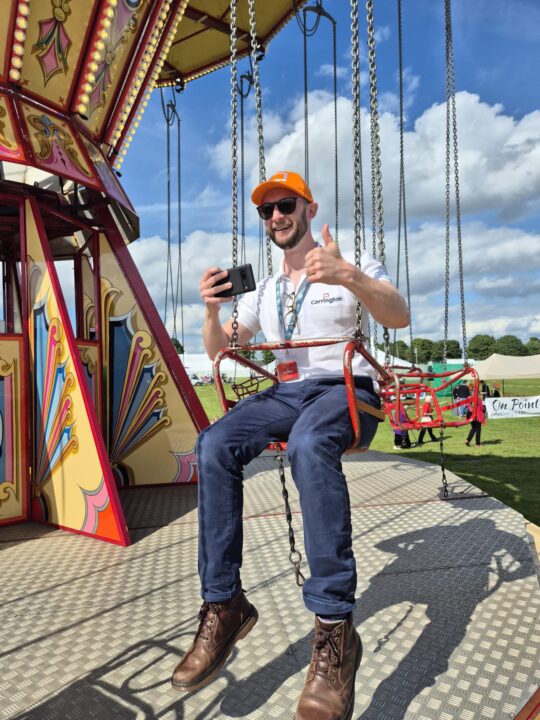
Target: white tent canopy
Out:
[508,367]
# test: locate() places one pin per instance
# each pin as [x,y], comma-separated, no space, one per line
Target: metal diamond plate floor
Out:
[448,607]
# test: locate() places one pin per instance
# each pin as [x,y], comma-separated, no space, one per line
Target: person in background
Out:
[462,393]
[427,417]
[484,389]
[402,440]
[476,424]
[496,390]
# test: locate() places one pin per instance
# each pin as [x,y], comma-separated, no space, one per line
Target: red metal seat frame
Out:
[410,388]
[352,346]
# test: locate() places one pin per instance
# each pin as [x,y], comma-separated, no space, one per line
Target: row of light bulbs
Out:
[147,58]
[96,56]
[17,53]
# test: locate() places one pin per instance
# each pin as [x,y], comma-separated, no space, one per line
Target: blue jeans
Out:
[313,416]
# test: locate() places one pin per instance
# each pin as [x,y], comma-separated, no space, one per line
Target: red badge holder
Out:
[287,371]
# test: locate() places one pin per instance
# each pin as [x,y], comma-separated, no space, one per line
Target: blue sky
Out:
[497,55]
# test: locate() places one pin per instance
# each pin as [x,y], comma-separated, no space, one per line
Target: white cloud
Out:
[499,181]
[327,70]
[382,33]
[200,251]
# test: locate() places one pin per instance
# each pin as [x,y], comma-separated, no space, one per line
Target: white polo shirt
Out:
[327,311]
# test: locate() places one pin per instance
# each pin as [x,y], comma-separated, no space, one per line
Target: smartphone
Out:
[242,281]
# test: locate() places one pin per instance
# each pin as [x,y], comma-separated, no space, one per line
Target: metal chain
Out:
[244,93]
[255,53]
[336,163]
[402,194]
[306,108]
[169,112]
[234,162]
[295,557]
[376,155]
[447,206]
[179,294]
[442,458]
[451,80]
[357,153]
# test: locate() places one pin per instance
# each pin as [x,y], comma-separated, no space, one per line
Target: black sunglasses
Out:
[286,206]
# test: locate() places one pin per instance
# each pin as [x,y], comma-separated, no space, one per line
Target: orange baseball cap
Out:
[282,179]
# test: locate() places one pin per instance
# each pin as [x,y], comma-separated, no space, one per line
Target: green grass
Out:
[506,467]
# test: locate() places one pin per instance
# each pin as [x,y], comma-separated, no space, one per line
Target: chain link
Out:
[376,174]
[402,194]
[451,81]
[255,53]
[447,200]
[443,457]
[234,161]
[357,153]
[295,556]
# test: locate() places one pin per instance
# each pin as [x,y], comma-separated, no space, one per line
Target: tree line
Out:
[479,347]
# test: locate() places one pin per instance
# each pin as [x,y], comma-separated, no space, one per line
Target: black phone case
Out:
[242,281]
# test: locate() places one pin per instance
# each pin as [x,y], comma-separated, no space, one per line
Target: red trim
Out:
[135,106]
[115,109]
[82,532]
[151,315]
[47,210]
[28,455]
[98,321]
[7,293]
[531,709]
[89,406]
[77,272]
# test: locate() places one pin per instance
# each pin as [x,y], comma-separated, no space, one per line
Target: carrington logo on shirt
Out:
[327,299]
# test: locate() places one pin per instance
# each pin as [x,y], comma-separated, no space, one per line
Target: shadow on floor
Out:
[440,568]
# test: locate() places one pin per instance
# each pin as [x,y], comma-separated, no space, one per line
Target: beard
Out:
[300,228]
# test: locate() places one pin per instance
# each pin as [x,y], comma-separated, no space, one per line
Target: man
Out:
[313,294]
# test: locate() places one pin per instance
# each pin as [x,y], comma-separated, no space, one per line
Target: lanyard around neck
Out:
[288,329]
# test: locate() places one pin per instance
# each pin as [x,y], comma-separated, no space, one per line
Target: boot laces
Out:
[207,616]
[325,651]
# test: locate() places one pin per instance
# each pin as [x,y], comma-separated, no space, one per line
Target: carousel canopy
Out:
[75,76]
[202,40]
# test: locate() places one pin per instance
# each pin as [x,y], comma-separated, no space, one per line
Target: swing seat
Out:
[410,388]
[355,404]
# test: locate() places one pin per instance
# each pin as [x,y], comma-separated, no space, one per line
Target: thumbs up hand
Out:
[325,264]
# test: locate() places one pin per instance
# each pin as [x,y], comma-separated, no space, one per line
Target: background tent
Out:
[508,367]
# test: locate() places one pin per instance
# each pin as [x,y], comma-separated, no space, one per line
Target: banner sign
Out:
[510,407]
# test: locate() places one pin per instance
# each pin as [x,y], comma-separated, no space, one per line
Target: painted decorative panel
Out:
[55,37]
[89,353]
[106,175]
[120,43]
[55,147]
[10,148]
[72,483]
[88,329]
[13,466]
[150,434]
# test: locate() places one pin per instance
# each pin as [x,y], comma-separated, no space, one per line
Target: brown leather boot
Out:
[221,626]
[329,690]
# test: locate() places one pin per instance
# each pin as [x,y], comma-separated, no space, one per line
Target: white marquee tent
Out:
[508,367]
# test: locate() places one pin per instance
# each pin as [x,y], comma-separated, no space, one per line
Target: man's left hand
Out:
[326,264]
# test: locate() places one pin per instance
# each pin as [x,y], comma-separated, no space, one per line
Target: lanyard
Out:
[288,330]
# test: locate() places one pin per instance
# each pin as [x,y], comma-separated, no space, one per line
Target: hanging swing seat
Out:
[251,385]
[409,389]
